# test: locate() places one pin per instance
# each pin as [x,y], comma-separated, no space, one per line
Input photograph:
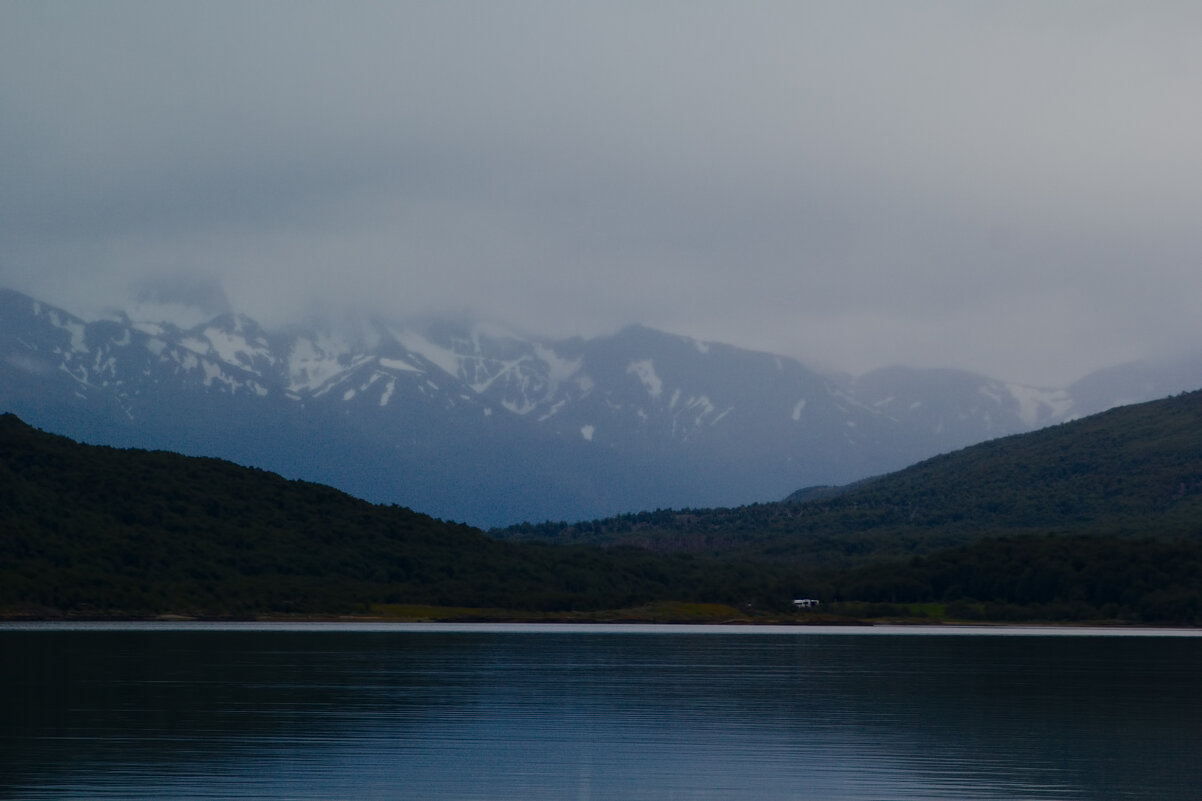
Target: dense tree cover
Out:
[1041,577]
[99,529]
[1132,471]
[1089,521]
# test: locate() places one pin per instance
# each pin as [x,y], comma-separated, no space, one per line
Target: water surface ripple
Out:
[346,712]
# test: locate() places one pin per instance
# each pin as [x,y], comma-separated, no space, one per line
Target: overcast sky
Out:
[1009,187]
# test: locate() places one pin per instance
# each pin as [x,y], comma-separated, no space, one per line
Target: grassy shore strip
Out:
[659,612]
[664,612]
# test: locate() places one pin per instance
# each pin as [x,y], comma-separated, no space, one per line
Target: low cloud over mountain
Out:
[483,424]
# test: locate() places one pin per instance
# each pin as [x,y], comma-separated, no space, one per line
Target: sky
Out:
[1011,188]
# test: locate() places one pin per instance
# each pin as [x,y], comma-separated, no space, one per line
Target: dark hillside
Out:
[87,529]
[1075,577]
[1132,471]
[100,532]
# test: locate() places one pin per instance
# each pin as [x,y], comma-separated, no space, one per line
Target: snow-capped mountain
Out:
[487,425]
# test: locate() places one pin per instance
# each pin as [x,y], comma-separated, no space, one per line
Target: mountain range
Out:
[1096,519]
[487,425]
[1133,472]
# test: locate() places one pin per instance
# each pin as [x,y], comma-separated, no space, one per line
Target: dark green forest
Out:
[110,531]
[1094,520]
[1063,578]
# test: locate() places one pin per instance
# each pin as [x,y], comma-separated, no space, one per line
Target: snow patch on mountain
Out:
[197,345]
[703,407]
[317,362]
[386,395]
[559,369]
[77,373]
[1040,406]
[507,370]
[105,366]
[213,372]
[74,328]
[150,329]
[552,411]
[519,408]
[397,364]
[444,359]
[233,347]
[309,366]
[644,370]
[854,402]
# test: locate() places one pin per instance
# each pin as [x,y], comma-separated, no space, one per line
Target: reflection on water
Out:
[598,713]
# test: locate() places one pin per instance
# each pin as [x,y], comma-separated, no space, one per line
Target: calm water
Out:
[596,713]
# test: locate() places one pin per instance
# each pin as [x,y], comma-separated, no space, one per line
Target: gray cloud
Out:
[1012,188]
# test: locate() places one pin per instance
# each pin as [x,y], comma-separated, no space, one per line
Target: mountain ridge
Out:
[1096,519]
[1130,472]
[491,426]
[106,532]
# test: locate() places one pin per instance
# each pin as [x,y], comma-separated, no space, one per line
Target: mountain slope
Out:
[99,532]
[484,424]
[1132,471]
[96,530]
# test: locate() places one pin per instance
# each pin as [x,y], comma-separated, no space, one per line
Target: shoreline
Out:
[633,617]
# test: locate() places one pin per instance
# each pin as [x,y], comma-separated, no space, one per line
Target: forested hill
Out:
[100,532]
[1132,471]
[97,530]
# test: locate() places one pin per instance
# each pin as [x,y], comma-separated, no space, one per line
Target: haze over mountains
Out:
[486,425]
[1096,519]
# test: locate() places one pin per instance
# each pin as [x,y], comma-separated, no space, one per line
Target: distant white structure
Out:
[805,603]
